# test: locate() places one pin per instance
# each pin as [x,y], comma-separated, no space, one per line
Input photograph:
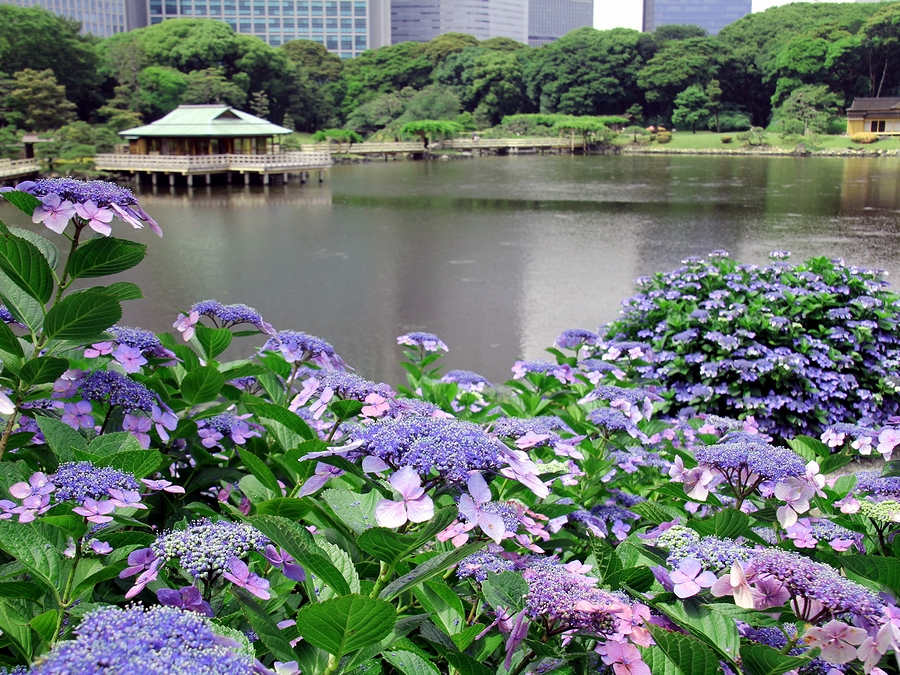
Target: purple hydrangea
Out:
[427,342]
[156,640]
[204,548]
[714,553]
[576,338]
[297,347]
[117,390]
[227,425]
[77,481]
[466,380]
[745,462]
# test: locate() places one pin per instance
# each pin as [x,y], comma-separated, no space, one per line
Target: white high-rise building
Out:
[549,20]
[98,17]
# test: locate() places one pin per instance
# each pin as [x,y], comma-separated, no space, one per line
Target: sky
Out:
[629,13]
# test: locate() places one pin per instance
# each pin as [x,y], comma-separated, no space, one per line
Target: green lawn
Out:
[705,140]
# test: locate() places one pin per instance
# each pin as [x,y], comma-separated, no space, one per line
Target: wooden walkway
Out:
[11,169]
[482,144]
[205,165]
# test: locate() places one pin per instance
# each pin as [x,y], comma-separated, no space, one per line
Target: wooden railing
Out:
[454,143]
[18,167]
[286,161]
[365,148]
[497,143]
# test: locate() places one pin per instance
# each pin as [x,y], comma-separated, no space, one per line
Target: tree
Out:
[586,72]
[812,107]
[434,102]
[880,39]
[677,31]
[428,130]
[161,89]
[10,146]
[714,104]
[691,107]
[379,71]
[321,65]
[680,64]
[259,105]
[449,43]
[496,85]
[211,86]
[38,102]
[590,128]
[503,44]
[339,135]
[635,131]
[36,39]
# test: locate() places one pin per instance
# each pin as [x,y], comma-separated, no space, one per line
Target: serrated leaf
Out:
[506,589]
[346,409]
[287,507]
[811,449]
[608,563]
[45,625]
[26,266]
[354,510]
[728,523]
[9,343]
[384,544]
[255,491]
[443,604]
[298,542]
[465,664]
[282,416]
[22,200]
[44,245]
[718,631]
[82,315]
[654,512]
[264,626]
[61,438]
[345,624]
[658,662]
[881,570]
[428,569]
[761,659]
[410,663]
[202,385]
[15,626]
[139,463]
[20,589]
[213,341]
[23,307]
[105,574]
[121,291]
[639,579]
[42,370]
[259,469]
[688,653]
[341,560]
[113,443]
[26,544]
[103,256]
[748,616]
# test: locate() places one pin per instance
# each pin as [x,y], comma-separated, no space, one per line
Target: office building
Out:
[711,15]
[345,27]
[98,17]
[423,20]
[549,20]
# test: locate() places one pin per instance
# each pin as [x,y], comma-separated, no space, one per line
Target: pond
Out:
[495,255]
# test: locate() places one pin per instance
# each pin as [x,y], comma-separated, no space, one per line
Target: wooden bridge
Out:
[502,145]
[284,163]
[11,169]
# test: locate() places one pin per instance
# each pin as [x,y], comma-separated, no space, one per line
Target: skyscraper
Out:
[711,15]
[345,27]
[423,20]
[98,17]
[549,20]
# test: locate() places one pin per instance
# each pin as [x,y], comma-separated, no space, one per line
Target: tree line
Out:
[801,62]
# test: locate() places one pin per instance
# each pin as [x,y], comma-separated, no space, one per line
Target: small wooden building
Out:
[204,130]
[875,115]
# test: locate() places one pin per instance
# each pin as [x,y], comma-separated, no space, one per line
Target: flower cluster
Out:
[131,348]
[426,342]
[93,203]
[297,348]
[790,344]
[236,428]
[222,316]
[327,385]
[156,641]
[117,390]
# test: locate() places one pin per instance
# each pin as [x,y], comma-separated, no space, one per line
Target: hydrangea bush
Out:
[164,511]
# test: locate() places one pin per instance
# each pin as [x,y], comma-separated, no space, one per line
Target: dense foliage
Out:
[163,511]
[748,75]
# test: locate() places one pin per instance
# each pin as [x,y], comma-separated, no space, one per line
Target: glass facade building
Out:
[711,15]
[549,20]
[98,17]
[345,27]
[422,20]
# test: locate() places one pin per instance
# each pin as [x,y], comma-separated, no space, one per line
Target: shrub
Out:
[726,139]
[798,347]
[663,137]
[864,138]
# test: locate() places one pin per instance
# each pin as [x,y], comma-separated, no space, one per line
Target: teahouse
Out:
[875,115]
[207,139]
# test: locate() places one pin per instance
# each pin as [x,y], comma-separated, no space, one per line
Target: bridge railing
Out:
[212,163]
[18,167]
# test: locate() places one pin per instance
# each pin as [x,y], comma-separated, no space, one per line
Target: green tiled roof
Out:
[218,121]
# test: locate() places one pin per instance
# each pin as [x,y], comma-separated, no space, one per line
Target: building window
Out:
[287,8]
[275,41]
[331,42]
[288,24]
[156,6]
[346,42]
[200,8]
[186,7]
[361,43]
[244,6]
[232,23]
[331,25]
[274,25]
[302,7]
[230,7]
[346,55]
[346,25]
[346,9]
[359,8]
[274,8]
[316,8]
[246,27]
[318,25]
[302,23]
[877,125]
[259,26]
[171,7]
[331,8]
[155,20]
[360,25]
[259,9]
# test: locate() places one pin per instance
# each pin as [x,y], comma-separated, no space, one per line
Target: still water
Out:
[495,255]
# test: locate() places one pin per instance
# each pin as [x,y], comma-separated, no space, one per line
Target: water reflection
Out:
[496,255]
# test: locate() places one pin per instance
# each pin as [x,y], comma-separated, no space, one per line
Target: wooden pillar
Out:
[190,178]
[286,177]
[265,178]
[321,176]
[208,178]
[171,180]
[246,179]
[153,177]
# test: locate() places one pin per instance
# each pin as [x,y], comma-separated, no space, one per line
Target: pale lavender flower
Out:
[470,506]
[837,641]
[414,505]
[96,217]
[54,212]
[240,575]
[138,427]
[690,578]
[187,598]
[94,511]
[427,342]
[130,358]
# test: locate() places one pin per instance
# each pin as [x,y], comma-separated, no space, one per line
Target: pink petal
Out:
[492,525]
[390,514]
[478,488]
[407,482]
[421,509]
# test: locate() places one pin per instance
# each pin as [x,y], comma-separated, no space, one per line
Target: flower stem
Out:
[64,282]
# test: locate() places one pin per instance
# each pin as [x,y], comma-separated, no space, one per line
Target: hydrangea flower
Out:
[426,342]
[298,347]
[205,549]
[414,505]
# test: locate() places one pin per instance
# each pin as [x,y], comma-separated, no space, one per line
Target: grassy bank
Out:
[709,140]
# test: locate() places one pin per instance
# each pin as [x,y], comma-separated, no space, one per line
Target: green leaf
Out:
[506,589]
[61,438]
[259,469]
[465,664]
[262,623]
[287,507]
[15,626]
[346,409]
[109,572]
[884,571]
[384,544]
[356,511]
[716,630]
[22,200]
[443,604]
[639,579]
[341,560]
[608,563]
[410,663]
[27,545]
[26,266]
[202,385]
[690,655]
[810,449]
[345,624]
[114,443]
[44,245]
[103,256]
[282,416]
[428,569]
[748,616]
[658,662]
[42,370]
[763,660]
[45,625]
[26,309]
[255,491]
[20,589]
[82,315]
[654,512]
[728,523]
[214,341]
[121,291]
[298,542]
[139,463]
[9,343]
